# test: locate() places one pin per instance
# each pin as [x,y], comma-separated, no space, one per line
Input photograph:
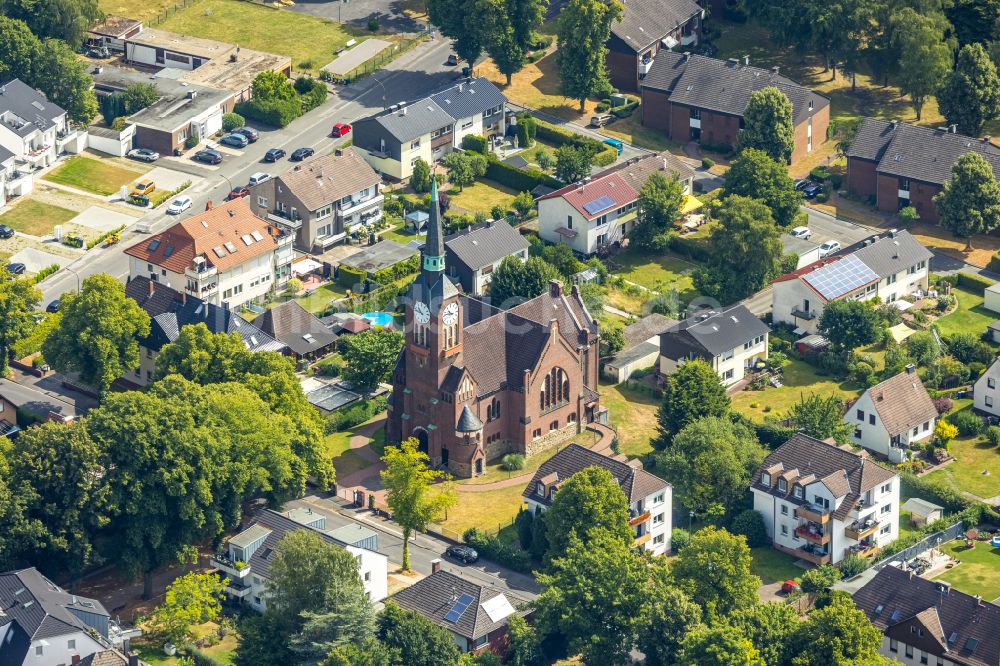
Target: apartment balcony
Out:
[638,519]
[200,271]
[812,534]
[868,549]
[285,222]
[355,206]
[203,291]
[688,40]
[858,530]
[816,514]
[238,590]
[639,540]
[224,563]
[799,313]
[811,556]
[644,67]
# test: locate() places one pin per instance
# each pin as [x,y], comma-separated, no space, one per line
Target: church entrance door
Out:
[422,446]
[444,457]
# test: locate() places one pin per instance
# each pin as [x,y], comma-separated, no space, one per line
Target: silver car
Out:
[143,155]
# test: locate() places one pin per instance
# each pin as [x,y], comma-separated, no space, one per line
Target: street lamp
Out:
[78,288]
[690,519]
[384,93]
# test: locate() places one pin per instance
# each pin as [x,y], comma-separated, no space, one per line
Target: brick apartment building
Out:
[894,164]
[646,27]
[695,98]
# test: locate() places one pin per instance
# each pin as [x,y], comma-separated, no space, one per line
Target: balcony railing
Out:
[200,271]
[814,536]
[864,549]
[639,540]
[638,519]
[227,564]
[858,530]
[799,313]
[810,556]
[817,514]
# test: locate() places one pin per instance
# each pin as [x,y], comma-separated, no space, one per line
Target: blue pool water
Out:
[383,319]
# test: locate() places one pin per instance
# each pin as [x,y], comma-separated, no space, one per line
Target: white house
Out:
[641,349]
[986,397]
[34,129]
[894,416]
[889,266]
[820,502]
[473,253]
[732,341]
[247,558]
[225,256]
[650,498]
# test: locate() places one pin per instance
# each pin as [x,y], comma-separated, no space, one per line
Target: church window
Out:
[556,390]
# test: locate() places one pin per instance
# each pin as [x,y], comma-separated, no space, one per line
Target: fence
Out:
[930,541]
[386,55]
[166,13]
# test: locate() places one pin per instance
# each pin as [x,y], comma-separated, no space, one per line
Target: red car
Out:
[341,129]
[238,193]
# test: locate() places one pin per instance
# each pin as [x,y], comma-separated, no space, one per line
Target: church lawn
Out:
[494,472]
[979,572]
[800,379]
[491,510]
[633,415]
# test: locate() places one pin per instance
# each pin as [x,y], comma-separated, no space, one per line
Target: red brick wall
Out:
[861,178]
[623,70]
[655,109]
[922,198]
[680,123]
[820,122]
[162,142]
[719,129]
[887,193]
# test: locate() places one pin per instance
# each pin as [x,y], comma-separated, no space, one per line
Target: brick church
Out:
[474,382]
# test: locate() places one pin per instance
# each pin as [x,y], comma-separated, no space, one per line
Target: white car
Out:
[179,205]
[828,247]
[801,232]
[258,178]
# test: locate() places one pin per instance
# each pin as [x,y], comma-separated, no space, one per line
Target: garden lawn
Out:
[494,472]
[222,652]
[481,196]
[537,86]
[36,218]
[633,414]
[491,510]
[102,177]
[969,317]
[309,41]
[401,234]
[140,10]
[972,457]
[773,566]
[659,272]
[631,303]
[979,572]
[631,130]
[319,299]
[800,379]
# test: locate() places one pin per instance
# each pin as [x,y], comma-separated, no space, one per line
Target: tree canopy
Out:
[18,299]
[821,417]
[768,125]
[691,392]
[589,501]
[192,599]
[464,167]
[660,202]
[757,176]
[839,633]
[584,27]
[67,20]
[369,357]
[925,57]
[719,645]
[970,201]
[672,616]
[515,281]
[849,324]
[714,570]
[573,162]
[415,640]
[970,96]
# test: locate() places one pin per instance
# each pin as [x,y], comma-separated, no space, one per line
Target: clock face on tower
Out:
[421,312]
[450,314]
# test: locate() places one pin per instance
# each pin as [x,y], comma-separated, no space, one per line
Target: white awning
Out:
[305,266]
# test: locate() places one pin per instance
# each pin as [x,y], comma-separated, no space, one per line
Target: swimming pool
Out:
[383,319]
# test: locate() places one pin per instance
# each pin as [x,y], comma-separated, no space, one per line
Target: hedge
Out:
[603,154]
[994,264]
[692,248]
[522,180]
[974,283]
[397,271]
[474,143]
[626,109]
[349,278]
[493,549]
[606,157]
[32,342]
[356,414]
[274,113]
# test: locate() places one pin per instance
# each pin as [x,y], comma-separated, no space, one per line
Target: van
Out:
[144,188]
[616,144]
[601,120]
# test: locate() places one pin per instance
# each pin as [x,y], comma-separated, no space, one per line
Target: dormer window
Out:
[765,479]
[782,485]
[541,489]
[797,491]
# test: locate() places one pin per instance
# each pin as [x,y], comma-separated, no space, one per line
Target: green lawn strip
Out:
[482,195]
[969,317]
[491,510]
[93,175]
[800,379]
[349,462]
[905,527]
[309,41]
[319,299]
[152,652]
[972,457]
[659,272]
[979,572]
[36,218]
[773,566]
[633,414]
[493,471]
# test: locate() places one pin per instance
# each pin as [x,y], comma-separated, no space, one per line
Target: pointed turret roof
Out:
[468,422]
[435,233]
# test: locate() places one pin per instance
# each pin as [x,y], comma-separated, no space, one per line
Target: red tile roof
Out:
[580,194]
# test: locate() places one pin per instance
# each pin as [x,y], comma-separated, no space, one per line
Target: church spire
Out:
[434,247]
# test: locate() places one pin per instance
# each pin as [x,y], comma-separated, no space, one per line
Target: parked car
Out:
[801,232]
[300,154]
[829,247]
[812,189]
[249,133]
[179,205]
[341,129]
[16,268]
[208,156]
[616,144]
[453,59]
[274,154]
[144,187]
[235,140]
[5,231]
[258,178]
[462,554]
[238,193]
[801,184]
[143,154]
[600,120]
[53,306]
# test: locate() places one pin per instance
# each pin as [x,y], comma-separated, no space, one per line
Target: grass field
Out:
[93,175]
[656,272]
[631,130]
[140,10]
[800,379]
[979,572]
[629,302]
[481,196]
[633,414]
[537,86]
[773,565]
[972,458]
[222,652]
[490,510]
[969,317]
[36,218]
[318,299]
[309,41]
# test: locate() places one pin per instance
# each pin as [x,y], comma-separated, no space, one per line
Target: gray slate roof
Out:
[290,324]
[636,483]
[712,333]
[32,110]
[468,422]
[414,120]
[485,245]
[470,98]
[724,85]
[644,22]
[890,255]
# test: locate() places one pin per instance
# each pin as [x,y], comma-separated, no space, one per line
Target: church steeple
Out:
[434,247]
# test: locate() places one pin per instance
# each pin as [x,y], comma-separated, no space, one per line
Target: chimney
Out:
[979,600]
[208,205]
[555,288]
[184,297]
[746,60]
[192,94]
[75,659]
[910,369]
[338,152]
[435,565]
[152,287]
[953,129]
[894,123]
[664,163]
[687,56]
[776,70]
[402,111]
[133,659]
[232,213]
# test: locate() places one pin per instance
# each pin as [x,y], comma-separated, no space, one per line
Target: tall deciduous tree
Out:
[768,627]
[203,357]
[99,334]
[62,76]
[660,202]
[691,392]
[464,167]
[67,20]
[714,569]
[24,536]
[744,251]
[974,21]
[407,480]
[756,175]
[19,50]
[768,124]
[369,357]
[512,40]
[970,96]
[138,96]
[192,599]
[821,417]
[524,646]
[416,640]
[836,634]
[470,24]
[671,616]
[720,645]
[970,201]
[849,324]
[18,299]
[590,501]
[515,281]
[924,55]
[573,162]
[584,28]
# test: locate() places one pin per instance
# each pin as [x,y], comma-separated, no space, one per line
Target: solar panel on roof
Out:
[971,644]
[456,611]
[841,277]
[247,240]
[597,205]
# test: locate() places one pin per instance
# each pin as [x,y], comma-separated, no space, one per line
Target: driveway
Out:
[356,13]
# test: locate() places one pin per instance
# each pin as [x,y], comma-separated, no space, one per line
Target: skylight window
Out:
[247,240]
[219,252]
[230,246]
[257,236]
[154,245]
[169,251]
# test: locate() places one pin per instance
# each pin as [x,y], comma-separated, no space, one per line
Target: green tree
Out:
[510,43]
[821,417]
[849,324]
[744,251]
[974,21]
[768,627]
[420,179]
[523,203]
[671,617]
[589,502]
[714,570]
[470,24]
[417,640]
[691,392]
[407,480]
[231,121]
[710,462]
[925,58]
[836,634]
[369,357]
[24,537]
[18,299]
[192,599]
[515,281]
[819,579]
[612,339]
[660,202]
[63,77]
[720,645]
[138,96]
[66,20]
[272,86]
[524,648]
[584,27]
[757,176]
[749,524]
[370,652]
[464,167]
[573,162]
[99,334]
[970,96]
[768,124]
[202,356]
[970,201]
[19,50]
[594,597]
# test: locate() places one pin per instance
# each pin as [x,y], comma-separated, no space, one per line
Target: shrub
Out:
[512,462]
[492,548]
[993,435]
[944,432]
[626,109]
[522,180]
[524,203]
[523,524]
[350,278]
[974,283]
[45,272]
[707,163]
[330,367]
[967,423]
[190,142]
[852,565]
[994,264]
[231,121]
[942,405]
[679,539]
[271,112]
[475,143]
[822,197]
[200,658]
[526,128]
[605,157]
[602,107]
[373,23]
[908,215]
[32,342]
[836,180]
[356,414]
[750,524]
[119,123]
[820,173]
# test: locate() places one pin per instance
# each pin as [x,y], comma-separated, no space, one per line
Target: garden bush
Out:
[993,435]
[707,163]
[356,414]
[679,539]
[524,526]
[522,180]
[491,548]
[994,264]
[330,367]
[231,121]
[45,272]
[967,423]
[512,462]
[822,197]
[820,173]
[526,128]
[852,565]
[973,283]
[942,405]
[272,112]
[475,143]
[750,524]
[626,109]
[32,343]
[350,278]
